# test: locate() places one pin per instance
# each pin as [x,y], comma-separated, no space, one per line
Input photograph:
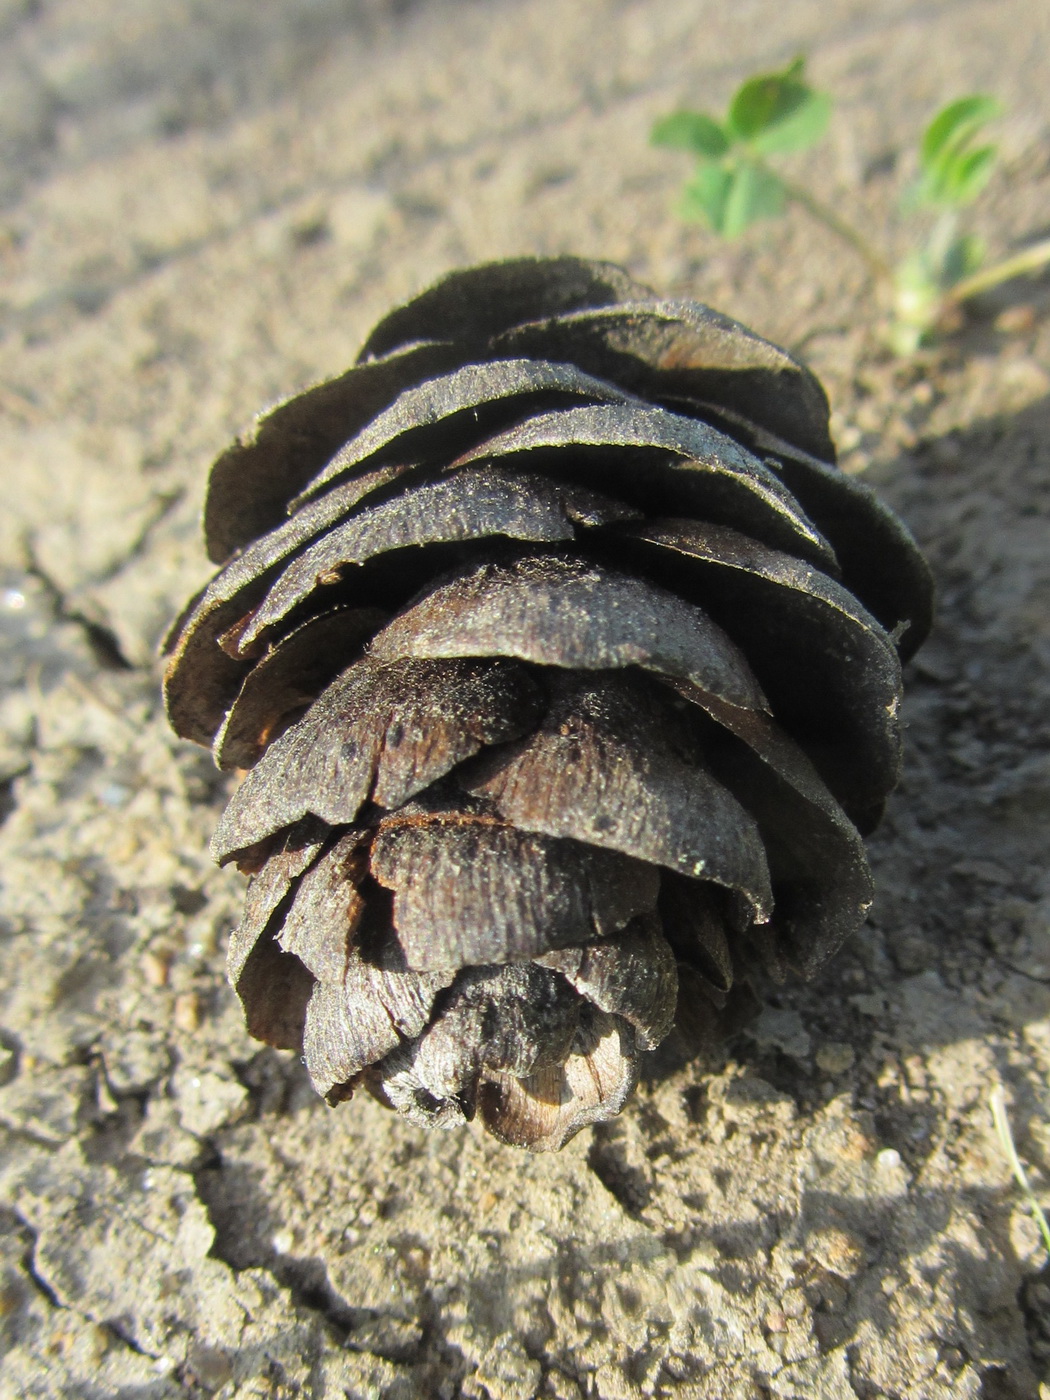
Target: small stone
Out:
[206,1101]
[837,1251]
[835,1057]
[211,1366]
[12,1295]
[156,967]
[114,794]
[888,1160]
[187,1015]
[105,1101]
[135,1060]
[911,950]
[392,1338]
[561,1387]
[100,1339]
[508,1371]
[794,1303]
[869,1003]
[45,1103]
[162,1139]
[784,1031]
[1016,320]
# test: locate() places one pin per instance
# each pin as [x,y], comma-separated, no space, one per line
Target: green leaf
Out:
[778,112]
[954,170]
[704,197]
[799,130]
[754,193]
[691,131]
[731,198]
[969,173]
[955,125]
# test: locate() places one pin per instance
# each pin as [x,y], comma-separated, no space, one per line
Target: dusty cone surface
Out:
[566,668]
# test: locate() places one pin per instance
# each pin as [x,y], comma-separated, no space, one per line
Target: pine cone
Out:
[565,667]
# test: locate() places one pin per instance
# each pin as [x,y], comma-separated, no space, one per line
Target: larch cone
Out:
[565,666]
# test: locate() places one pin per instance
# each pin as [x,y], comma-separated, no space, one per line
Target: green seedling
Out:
[770,115]
[775,114]
[1006,1138]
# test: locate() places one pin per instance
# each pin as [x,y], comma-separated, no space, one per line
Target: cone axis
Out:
[565,667]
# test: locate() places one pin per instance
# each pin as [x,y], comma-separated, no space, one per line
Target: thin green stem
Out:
[941,241]
[877,264]
[1028,260]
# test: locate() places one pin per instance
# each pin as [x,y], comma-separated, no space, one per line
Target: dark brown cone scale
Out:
[565,666]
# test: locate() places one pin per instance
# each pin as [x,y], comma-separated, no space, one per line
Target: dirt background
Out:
[205,206]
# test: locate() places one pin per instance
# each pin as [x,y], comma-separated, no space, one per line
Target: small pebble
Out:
[835,1057]
[1015,320]
[156,967]
[114,794]
[210,1366]
[187,1015]
[838,1251]
[888,1160]
[100,1339]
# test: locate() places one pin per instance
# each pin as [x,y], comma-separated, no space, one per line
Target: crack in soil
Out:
[46,1291]
[102,640]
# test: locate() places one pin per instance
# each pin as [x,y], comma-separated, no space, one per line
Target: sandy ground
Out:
[204,207]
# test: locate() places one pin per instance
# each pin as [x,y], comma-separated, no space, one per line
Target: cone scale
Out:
[565,668]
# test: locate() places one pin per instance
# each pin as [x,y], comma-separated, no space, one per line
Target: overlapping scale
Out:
[830,671]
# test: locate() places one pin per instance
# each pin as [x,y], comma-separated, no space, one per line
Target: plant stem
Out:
[937,251]
[1027,260]
[877,264]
